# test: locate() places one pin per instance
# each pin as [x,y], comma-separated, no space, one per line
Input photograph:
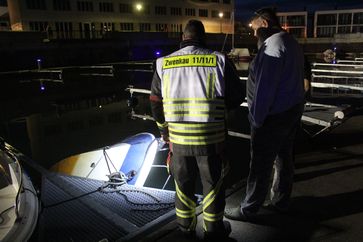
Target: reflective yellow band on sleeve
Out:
[163,125]
[190,60]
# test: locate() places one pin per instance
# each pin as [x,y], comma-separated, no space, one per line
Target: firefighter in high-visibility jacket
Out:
[190,92]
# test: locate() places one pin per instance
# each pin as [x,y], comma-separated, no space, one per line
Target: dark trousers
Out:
[185,171]
[272,144]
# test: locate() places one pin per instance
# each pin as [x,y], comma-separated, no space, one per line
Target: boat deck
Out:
[79,209]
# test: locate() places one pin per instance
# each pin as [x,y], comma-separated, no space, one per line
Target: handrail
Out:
[138,90]
[330,85]
[336,77]
[337,71]
[349,61]
[337,65]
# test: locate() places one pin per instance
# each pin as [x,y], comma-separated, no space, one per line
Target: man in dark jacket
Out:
[191,90]
[275,97]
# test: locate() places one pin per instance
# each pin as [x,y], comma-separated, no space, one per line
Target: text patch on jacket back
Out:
[190,60]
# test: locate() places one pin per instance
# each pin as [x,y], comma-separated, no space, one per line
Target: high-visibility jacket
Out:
[193,88]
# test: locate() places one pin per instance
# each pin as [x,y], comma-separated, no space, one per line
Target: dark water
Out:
[86,113]
[53,124]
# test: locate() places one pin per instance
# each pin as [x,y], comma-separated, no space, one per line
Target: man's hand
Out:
[165,137]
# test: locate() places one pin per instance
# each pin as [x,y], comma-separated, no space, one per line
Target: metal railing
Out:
[342,79]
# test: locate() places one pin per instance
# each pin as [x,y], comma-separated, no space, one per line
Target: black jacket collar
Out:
[192,42]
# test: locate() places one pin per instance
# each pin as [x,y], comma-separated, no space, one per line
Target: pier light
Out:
[39,63]
[42,86]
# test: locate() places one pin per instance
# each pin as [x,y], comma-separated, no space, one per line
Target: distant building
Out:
[329,23]
[294,23]
[326,23]
[94,18]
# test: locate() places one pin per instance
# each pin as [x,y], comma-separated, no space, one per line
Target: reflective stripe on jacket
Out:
[196,134]
[193,88]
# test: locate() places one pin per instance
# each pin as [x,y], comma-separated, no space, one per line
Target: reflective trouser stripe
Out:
[211,217]
[186,213]
[184,199]
[212,195]
[184,170]
[209,199]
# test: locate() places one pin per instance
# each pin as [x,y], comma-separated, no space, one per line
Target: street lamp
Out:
[139,7]
[220,16]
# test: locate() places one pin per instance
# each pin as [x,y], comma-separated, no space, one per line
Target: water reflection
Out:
[86,113]
[55,136]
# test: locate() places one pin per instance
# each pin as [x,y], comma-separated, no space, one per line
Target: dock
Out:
[326,202]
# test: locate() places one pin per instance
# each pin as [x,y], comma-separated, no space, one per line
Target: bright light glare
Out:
[150,155]
[138,7]
[220,14]
[93,164]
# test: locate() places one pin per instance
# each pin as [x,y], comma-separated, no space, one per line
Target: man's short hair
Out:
[194,30]
[268,14]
